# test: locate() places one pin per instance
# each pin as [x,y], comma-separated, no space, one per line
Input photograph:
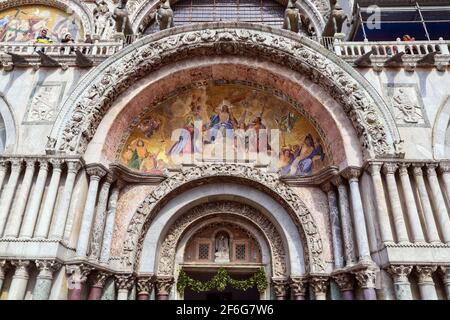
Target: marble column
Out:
[31,215]
[319,284]
[381,204]
[445,273]
[441,213]
[280,288]
[298,288]
[430,223]
[366,280]
[62,210]
[8,193]
[78,275]
[444,170]
[402,285]
[3,169]
[3,268]
[45,218]
[144,288]
[346,221]
[362,241]
[389,170]
[335,225]
[163,287]
[96,173]
[109,225]
[44,278]
[124,283]
[100,219]
[426,283]
[346,284]
[15,219]
[97,285]
[19,281]
[411,208]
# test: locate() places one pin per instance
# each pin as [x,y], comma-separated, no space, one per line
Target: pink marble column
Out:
[298,288]
[163,287]
[77,280]
[97,285]
[144,288]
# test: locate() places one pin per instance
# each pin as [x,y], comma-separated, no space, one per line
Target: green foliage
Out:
[220,281]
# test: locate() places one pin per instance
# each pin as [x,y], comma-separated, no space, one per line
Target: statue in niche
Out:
[410,110]
[103,19]
[291,17]
[222,248]
[122,18]
[164,15]
[338,17]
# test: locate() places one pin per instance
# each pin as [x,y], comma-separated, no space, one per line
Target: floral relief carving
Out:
[91,105]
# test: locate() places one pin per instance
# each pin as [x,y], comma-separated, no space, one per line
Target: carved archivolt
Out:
[77,6]
[302,217]
[84,109]
[166,262]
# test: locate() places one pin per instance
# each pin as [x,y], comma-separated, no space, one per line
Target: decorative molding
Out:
[300,214]
[84,109]
[131,176]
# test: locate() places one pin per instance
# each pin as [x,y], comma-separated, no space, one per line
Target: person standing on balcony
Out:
[42,38]
[68,40]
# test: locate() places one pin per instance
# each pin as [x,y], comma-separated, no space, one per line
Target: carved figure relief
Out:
[291,17]
[103,19]
[164,15]
[44,101]
[122,18]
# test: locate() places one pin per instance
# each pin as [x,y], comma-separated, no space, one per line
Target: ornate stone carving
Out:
[319,284]
[390,168]
[425,273]
[361,107]
[3,267]
[400,273]
[338,18]
[291,17]
[443,271]
[431,169]
[144,285]
[44,101]
[280,287]
[403,169]
[124,281]
[366,278]
[46,268]
[344,281]
[444,167]
[121,16]
[78,274]
[169,245]
[298,286]
[299,212]
[96,171]
[163,285]
[102,19]
[407,105]
[98,280]
[352,174]
[164,15]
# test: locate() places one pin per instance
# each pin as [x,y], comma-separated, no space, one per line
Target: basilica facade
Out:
[224,150]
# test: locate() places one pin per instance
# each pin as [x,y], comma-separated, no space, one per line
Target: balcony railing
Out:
[96,49]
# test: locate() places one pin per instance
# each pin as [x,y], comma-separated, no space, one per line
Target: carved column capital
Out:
[110,178]
[73,166]
[352,174]
[390,168]
[400,273]
[425,273]
[3,267]
[78,273]
[345,281]
[444,167]
[56,163]
[417,169]
[95,171]
[43,164]
[144,285]
[319,284]
[47,267]
[403,168]
[98,280]
[280,287]
[298,285]
[366,278]
[124,281]
[30,162]
[431,169]
[16,164]
[327,187]
[445,274]
[21,268]
[337,181]
[3,165]
[163,285]
[374,168]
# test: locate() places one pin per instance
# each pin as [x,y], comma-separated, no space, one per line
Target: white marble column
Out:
[411,208]
[3,169]
[381,204]
[8,193]
[45,218]
[335,225]
[44,278]
[109,225]
[445,273]
[29,221]
[389,170]
[441,213]
[100,219]
[58,226]
[15,219]
[359,223]
[346,221]
[319,286]
[124,283]
[430,223]
[444,170]
[3,267]
[19,281]
[95,173]
[402,285]
[426,283]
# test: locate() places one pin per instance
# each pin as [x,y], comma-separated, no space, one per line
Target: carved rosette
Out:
[163,285]
[280,288]
[345,281]
[366,278]
[168,248]
[91,102]
[425,274]
[400,273]
[124,281]
[146,212]
[298,286]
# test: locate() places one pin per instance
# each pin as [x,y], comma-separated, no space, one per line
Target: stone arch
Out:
[167,250]
[76,6]
[83,110]
[257,178]
[441,131]
[315,9]
[9,126]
